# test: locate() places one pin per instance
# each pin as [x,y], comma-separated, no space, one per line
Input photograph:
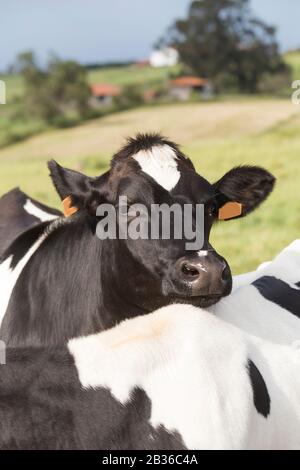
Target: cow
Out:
[266,302]
[178,378]
[19,212]
[58,280]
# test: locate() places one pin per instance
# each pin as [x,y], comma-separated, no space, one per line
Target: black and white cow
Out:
[19,212]
[58,280]
[178,378]
[266,302]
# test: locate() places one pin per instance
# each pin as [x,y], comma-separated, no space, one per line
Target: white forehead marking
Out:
[159,162]
[32,209]
[202,253]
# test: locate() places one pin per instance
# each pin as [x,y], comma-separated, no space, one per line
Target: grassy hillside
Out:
[123,76]
[131,75]
[14,128]
[216,136]
[14,86]
[293,59]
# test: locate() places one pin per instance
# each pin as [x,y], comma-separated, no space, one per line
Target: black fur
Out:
[43,406]
[85,192]
[23,243]
[14,219]
[146,142]
[280,293]
[249,185]
[261,397]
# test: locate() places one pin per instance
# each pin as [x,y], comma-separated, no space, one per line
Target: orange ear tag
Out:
[230,210]
[67,207]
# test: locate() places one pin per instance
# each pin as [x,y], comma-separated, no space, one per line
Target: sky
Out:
[111,30]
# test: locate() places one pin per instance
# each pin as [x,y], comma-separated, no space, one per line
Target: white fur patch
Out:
[9,276]
[200,266]
[193,368]
[247,309]
[32,209]
[188,363]
[202,253]
[159,162]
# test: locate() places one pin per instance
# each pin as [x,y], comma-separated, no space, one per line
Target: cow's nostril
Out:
[189,270]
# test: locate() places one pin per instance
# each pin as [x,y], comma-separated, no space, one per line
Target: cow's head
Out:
[152,170]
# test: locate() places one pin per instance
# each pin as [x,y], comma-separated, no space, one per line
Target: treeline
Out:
[224,41]
[106,65]
[55,92]
[218,39]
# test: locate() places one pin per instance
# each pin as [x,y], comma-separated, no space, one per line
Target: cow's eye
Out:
[213,210]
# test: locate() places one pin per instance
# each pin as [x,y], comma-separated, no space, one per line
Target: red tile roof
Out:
[189,82]
[104,89]
[142,63]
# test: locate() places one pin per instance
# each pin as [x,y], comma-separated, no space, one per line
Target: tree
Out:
[68,84]
[131,97]
[55,91]
[222,37]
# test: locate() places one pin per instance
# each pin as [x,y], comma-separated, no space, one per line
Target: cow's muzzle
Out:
[207,276]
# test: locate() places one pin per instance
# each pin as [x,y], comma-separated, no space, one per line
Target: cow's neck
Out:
[128,288]
[69,287]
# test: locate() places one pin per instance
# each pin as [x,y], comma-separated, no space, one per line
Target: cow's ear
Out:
[78,190]
[248,186]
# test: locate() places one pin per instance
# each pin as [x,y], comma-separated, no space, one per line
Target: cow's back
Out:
[18,212]
[175,379]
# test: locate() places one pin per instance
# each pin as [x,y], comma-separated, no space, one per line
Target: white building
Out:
[166,57]
[183,88]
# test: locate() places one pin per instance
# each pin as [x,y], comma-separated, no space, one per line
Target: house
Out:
[142,63]
[103,94]
[166,57]
[182,88]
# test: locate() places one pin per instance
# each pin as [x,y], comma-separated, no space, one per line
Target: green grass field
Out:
[216,136]
[14,86]
[293,60]
[131,75]
[14,128]
[123,76]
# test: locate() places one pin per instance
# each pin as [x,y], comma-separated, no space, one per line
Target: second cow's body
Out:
[178,378]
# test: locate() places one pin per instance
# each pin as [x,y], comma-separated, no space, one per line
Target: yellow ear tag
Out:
[67,207]
[230,210]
